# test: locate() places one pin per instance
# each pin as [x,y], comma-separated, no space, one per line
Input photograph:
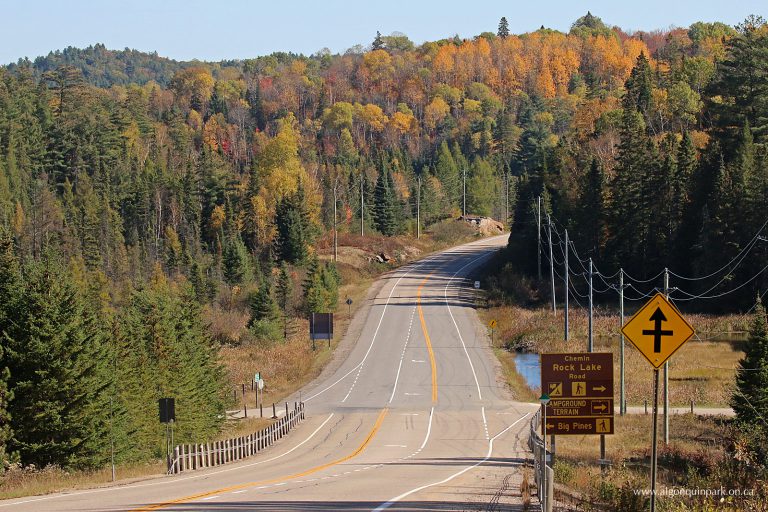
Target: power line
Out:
[746,249]
[717,296]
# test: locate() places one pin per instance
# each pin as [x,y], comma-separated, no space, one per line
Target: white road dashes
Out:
[402,355]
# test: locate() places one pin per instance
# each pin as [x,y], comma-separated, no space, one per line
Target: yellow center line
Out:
[429,342]
[315,469]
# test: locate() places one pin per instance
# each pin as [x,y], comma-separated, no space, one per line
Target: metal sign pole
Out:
[590,339]
[666,371]
[566,285]
[655,435]
[622,399]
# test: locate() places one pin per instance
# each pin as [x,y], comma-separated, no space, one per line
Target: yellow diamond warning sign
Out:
[658,330]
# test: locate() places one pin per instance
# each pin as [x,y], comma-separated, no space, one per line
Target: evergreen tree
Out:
[593,211]
[448,173]
[166,352]
[10,291]
[739,89]
[639,88]
[291,232]
[385,205]
[481,188]
[59,373]
[330,280]
[378,42]
[314,296]
[503,27]
[284,295]
[237,262]
[263,307]
[750,399]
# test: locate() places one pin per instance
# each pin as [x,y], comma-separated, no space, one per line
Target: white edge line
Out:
[394,500]
[458,331]
[166,480]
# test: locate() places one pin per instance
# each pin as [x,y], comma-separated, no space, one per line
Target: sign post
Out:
[492,324]
[544,399]
[321,327]
[657,330]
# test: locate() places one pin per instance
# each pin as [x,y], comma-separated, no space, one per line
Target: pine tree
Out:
[262,305]
[314,295]
[592,206]
[503,27]
[448,173]
[378,42]
[291,232]
[166,352]
[237,262]
[639,88]
[57,357]
[385,205]
[284,292]
[481,188]
[330,280]
[750,399]
[10,291]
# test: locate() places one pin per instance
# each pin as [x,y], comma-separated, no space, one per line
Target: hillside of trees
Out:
[102,67]
[135,191]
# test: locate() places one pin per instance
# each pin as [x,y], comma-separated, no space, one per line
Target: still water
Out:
[527,364]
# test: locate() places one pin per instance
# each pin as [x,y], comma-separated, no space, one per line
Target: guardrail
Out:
[188,457]
[543,475]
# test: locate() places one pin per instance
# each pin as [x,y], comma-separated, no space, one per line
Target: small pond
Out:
[528,365]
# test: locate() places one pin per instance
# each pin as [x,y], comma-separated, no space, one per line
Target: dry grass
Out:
[702,370]
[17,482]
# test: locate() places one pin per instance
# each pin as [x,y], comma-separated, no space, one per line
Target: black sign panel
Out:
[167,407]
[321,326]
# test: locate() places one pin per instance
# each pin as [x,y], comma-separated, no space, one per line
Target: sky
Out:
[235,29]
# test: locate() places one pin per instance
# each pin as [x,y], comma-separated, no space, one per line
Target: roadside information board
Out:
[580,387]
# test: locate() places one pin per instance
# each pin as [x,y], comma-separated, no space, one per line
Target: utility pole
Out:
[566,285]
[666,371]
[418,209]
[590,339]
[538,227]
[362,206]
[551,263]
[622,399]
[464,193]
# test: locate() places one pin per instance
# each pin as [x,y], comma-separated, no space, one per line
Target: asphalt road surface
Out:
[414,417]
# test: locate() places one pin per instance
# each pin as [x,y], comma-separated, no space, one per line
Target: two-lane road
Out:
[413,419]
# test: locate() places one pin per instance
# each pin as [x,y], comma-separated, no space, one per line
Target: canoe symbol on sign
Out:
[555,389]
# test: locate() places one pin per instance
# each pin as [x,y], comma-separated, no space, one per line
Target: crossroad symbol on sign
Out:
[555,389]
[658,330]
[603,426]
[579,388]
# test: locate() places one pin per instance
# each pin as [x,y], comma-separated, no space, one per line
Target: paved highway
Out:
[413,416]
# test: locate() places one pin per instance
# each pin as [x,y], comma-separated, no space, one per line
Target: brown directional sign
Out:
[580,388]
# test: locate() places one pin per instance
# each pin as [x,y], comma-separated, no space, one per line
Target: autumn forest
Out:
[136,191]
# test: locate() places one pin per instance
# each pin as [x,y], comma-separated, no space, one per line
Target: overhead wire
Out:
[746,249]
